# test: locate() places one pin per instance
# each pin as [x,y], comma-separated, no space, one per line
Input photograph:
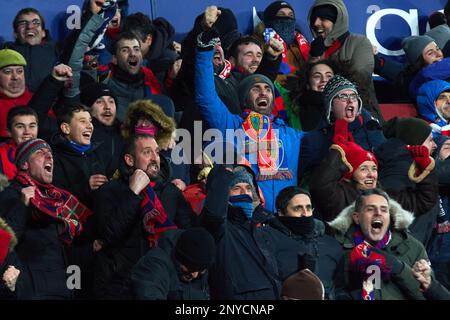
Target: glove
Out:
[207,40]
[341,134]
[421,156]
[388,262]
[317,47]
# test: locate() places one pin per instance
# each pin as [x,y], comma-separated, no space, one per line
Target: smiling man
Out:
[32,40]
[373,232]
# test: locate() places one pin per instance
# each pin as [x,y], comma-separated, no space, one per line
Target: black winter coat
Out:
[39,248]
[311,109]
[253,259]
[156,276]
[121,229]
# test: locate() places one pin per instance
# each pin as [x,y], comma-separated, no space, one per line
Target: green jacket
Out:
[402,245]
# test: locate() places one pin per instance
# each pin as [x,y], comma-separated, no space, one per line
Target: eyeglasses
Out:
[25,23]
[346,96]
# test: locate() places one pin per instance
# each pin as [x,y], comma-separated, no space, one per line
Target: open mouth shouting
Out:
[87,136]
[350,111]
[376,226]
[48,167]
[133,64]
[152,169]
[262,103]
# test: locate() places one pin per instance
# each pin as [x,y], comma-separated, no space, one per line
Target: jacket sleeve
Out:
[362,59]
[212,109]
[421,199]
[91,23]
[327,191]
[150,278]
[215,209]
[15,213]
[185,215]
[437,291]
[116,215]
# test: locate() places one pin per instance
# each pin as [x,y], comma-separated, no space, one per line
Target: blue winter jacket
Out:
[426,96]
[216,114]
[436,71]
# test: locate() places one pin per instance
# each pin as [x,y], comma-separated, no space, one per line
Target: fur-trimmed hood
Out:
[7,228]
[151,110]
[400,218]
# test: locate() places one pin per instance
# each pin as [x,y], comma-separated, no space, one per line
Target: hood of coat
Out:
[426,97]
[4,226]
[400,218]
[152,111]
[341,25]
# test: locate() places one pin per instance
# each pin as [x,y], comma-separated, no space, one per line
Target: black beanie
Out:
[195,249]
[326,11]
[92,91]
[271,11]
[436,19]
[412,131]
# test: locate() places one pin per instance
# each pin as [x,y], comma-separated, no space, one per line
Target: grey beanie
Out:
[333,87]
[414,46]
[440,34]
[248,83]
[241,176]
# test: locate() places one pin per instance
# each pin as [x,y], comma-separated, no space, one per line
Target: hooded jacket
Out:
[356,50]
[426,96]
[402,245]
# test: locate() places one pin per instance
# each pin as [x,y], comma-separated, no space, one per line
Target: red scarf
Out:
[7,156]
[154,216]
[225,73]
[336,45]
[58,204]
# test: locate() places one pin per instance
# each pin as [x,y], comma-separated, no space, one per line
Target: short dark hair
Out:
[65,114]
[366,193]
[124,36]
[285,195]
[139,24]
[27,11]
[234,49]
[19,111]
[129,146]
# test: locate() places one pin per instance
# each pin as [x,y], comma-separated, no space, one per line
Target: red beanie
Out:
[356,155]
[5,238]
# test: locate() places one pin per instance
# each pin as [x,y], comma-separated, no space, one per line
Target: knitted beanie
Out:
[356,156]
[333,87]
[27,148]
[272,9]
[326,11]
[195,249]
[303,285]
[247,84]
[440,34]
[91,92]
[241,176]
[412,131]
[414,45]
[10,57]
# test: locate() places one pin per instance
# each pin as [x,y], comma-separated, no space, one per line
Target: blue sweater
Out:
[216,114]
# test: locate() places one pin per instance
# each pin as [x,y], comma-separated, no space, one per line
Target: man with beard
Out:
[103,108]
[374,234]
[127,78]
[177,269]
[33,41]
[45,219]
[130,218]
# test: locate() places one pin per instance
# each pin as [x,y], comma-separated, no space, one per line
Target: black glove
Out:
[207,39]
[391,263]
[317,47]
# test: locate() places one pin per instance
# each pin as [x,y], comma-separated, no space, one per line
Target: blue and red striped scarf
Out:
[58,204]
[363,257]
[154,216]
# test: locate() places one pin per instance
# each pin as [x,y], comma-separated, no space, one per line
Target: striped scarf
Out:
[154,217]
[58,204]
[363,257]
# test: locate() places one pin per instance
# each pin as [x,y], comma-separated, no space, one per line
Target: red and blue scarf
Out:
[261,141]
[362,257]
[58,204]
[154,217]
